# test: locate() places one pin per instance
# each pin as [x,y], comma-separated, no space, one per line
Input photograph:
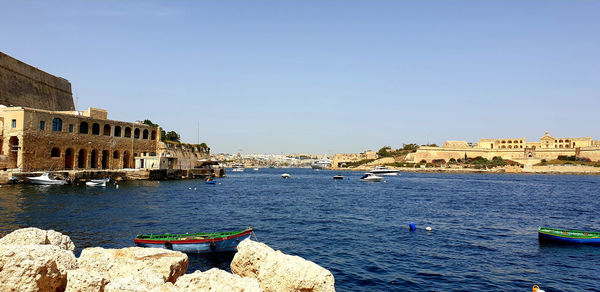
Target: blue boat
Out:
[195,242]
[209,181]
[568,236]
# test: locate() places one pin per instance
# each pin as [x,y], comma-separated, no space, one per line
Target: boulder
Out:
[34,235]
[134,268]
[84,280]
[34,267]
[216,280]
[276,271]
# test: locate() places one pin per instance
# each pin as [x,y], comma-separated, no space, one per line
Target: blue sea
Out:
[484,235]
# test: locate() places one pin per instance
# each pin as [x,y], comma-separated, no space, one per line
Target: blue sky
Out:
[323,76]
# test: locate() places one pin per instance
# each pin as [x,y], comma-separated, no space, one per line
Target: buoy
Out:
[194,189]
[428,228]
[412,226]
[189,188]
[117,186]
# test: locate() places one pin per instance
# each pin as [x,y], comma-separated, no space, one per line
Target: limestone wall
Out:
[25,85]
[188,155]
[73,150]
[430,153]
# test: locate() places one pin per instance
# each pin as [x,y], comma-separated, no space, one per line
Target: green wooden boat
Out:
[195,242]
[568,236]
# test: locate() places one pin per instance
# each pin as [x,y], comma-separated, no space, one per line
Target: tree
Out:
[410,147]
[150,123]
[384,151]
[172,136]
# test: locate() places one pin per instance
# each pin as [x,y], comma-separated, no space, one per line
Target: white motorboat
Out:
[322,164]
[256,168]
[45,179]
[286,175]
[382,170]
[371,177]
[97,182]
[238,167]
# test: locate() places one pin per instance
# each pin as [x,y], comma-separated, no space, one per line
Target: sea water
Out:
[483,237]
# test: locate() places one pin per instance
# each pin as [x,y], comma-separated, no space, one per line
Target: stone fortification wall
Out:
[431,153]
[188,155]
[27,86]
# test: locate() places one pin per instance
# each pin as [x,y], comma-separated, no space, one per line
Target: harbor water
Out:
[483,237]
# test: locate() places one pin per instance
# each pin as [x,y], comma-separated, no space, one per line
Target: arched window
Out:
[509,146]
[116,154]
[106,130]
[560,141]
[95,129]
[55,152]
[57,125]
[83,128]
[136,133]
[145,134]
[117,131]
[153,135]
[127,132]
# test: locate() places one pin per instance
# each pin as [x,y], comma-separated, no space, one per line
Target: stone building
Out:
[35,139]
[41,130]
[517,149]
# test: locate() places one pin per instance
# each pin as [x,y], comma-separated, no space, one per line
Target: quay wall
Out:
[24,85]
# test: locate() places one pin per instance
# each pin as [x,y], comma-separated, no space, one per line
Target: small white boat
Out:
[45,179]
[256,168]
[97,182]
[238,167]
[286,175]
[371,177]
[382,170]
[338,176]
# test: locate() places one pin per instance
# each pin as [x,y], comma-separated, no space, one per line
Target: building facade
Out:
[35,139]
[517,149]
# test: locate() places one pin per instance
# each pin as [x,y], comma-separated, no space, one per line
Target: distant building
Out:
[517,149]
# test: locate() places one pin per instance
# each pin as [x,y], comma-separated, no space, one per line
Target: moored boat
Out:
[338,176]
[45,179]
[371,177]
[286,175]
[322,164]
[97,182]
[195,242]
[382,170]
[568,236]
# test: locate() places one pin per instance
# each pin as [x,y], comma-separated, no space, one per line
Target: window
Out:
[57,125]
[42,125]
[153,135]
[116,154]
[55,152]
[83,128]
[95,129]
[145,134]
[117,131]
[127,132]
[136,133]
[14,123]
[106,130]
[70,128]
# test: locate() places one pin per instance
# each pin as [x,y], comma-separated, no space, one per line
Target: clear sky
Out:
[323,76]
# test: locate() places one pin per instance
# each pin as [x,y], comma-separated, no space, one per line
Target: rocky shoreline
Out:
[32,259]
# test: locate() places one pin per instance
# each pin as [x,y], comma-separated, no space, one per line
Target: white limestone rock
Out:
[34,267]
[83,280]
[218,281]
[134,268]
[34,235]
[276,271]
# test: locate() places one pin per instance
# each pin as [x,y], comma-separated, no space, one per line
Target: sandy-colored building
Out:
[341,159]
[41,130]
[517,149]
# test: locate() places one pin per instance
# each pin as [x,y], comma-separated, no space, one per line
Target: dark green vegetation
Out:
[570,160]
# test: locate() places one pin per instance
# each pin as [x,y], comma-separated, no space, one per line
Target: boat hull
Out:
[386,173]
[46,182]
[226,244]
[568,236]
